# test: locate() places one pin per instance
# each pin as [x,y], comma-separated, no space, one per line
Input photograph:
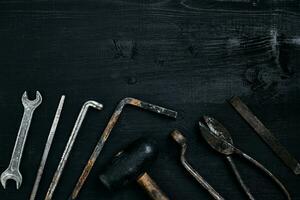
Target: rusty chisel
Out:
[265,134]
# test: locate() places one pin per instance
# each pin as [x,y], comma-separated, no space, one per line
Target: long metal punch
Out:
[69,145]
[266,135]
[47,148]
[113,120]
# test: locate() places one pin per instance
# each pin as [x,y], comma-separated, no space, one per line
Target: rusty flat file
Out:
[113,120]
[265,134]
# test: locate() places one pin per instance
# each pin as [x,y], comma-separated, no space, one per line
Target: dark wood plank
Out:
[185,55]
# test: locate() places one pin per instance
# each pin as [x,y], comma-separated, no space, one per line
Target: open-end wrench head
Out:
[32,103]
[13,175]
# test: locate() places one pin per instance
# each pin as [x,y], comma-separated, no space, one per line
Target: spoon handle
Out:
[239,178]
[266,171]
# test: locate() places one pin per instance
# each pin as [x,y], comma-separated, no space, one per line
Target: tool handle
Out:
[151,187]
[202,181]
[21,138]
[239,178]
[266,171]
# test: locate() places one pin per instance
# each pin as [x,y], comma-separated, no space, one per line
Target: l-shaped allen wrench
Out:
[112,122]
[69,146]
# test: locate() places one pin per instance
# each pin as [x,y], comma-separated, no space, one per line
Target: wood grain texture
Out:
[183,55]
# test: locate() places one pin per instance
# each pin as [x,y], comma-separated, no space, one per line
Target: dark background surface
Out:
[186,55]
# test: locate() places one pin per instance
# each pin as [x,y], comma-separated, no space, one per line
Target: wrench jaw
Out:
[13,175]
[32,103]
[13,172]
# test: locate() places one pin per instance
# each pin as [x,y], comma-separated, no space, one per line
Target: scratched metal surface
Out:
[184,55]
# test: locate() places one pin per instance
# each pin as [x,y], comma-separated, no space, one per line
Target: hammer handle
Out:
[151,187]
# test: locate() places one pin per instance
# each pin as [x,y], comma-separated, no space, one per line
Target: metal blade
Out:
[218,143]
[218,129]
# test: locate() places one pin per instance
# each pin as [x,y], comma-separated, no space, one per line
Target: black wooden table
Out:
[186,55]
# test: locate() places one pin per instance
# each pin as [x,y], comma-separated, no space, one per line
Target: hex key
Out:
[69,146]
[112,122]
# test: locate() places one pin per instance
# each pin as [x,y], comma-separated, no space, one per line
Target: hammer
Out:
[130,165]
[128,101]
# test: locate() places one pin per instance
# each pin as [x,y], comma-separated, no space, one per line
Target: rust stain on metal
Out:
[135,102]
[84,176]
[110,126]
[104,136]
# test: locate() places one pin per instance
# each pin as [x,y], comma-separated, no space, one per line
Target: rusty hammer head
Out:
[130,164]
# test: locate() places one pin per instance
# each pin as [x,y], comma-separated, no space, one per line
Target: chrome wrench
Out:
[13,172]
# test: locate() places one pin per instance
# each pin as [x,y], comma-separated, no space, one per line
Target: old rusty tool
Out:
[70,144]
[265,134]
[113,120]
[13,172]
[219,138]
[181,140]
[47,148]
[131,165]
